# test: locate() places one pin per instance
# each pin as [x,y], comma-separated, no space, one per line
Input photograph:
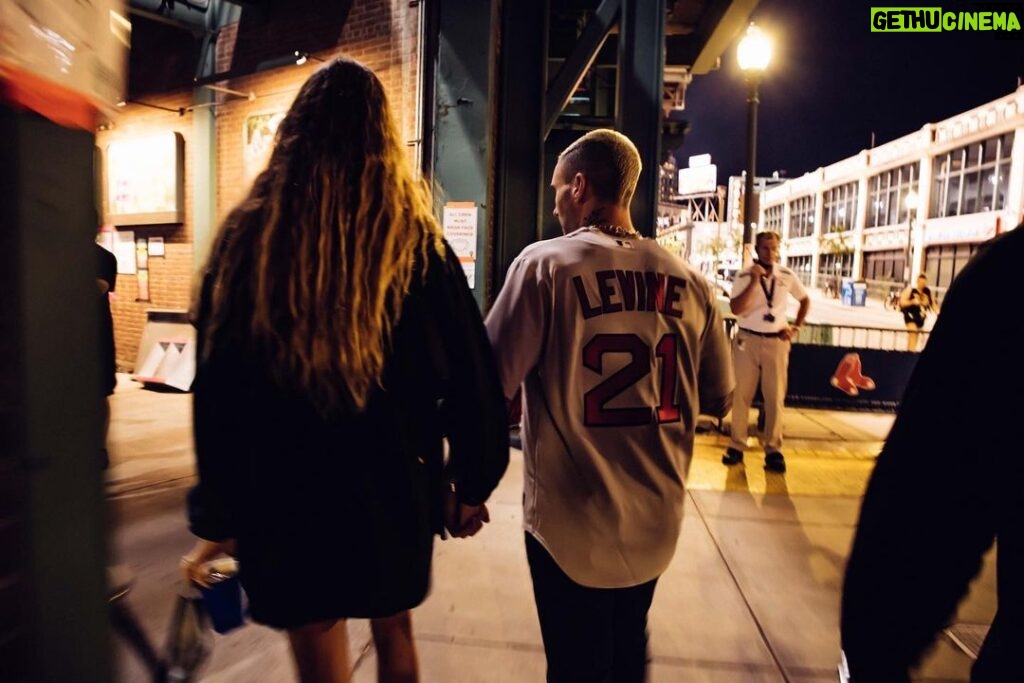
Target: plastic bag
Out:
[188,638]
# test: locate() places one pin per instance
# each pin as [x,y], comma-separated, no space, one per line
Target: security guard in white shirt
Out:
[760,350]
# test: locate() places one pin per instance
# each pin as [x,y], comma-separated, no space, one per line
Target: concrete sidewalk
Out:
[752,594]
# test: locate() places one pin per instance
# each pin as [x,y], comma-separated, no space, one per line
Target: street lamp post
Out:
[753,54]
[720,190]
[910,201]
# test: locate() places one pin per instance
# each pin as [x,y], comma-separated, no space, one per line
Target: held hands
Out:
[461,520]
[194,565]
[515,408]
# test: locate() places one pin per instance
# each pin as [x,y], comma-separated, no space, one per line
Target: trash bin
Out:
[860,293]
[846,292]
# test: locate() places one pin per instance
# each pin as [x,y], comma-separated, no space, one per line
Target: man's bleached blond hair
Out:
[608,160]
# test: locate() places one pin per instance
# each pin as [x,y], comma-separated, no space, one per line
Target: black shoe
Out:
[774,462]
[733,456]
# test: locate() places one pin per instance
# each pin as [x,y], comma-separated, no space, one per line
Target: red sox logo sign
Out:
[848,377]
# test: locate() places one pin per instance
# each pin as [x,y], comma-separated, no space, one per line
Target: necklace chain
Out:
[614,230]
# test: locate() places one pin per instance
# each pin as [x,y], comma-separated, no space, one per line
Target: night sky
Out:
[831,82]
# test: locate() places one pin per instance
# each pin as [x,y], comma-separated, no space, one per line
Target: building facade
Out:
[852,219]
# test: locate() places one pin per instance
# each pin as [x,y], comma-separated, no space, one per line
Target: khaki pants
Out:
[766,359]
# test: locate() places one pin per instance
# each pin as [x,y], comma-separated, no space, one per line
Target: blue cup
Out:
[223,601]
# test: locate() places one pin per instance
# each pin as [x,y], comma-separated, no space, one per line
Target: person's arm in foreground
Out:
[208,502]
[474,413]
[927,517]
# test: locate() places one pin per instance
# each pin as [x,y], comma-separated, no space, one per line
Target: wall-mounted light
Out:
[296,57]
[302,57]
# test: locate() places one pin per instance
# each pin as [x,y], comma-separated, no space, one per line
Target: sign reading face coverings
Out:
[459,223]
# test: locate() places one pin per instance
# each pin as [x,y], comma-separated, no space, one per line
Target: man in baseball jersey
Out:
[760,350]
[618,346]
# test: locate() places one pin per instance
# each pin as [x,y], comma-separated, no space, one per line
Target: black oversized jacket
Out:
[335,517]
[948,484]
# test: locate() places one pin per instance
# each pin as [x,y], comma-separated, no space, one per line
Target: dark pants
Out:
[591,635]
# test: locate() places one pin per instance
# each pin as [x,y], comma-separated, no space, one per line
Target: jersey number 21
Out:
[641,360]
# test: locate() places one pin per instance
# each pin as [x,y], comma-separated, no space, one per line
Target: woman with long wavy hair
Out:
[338,345]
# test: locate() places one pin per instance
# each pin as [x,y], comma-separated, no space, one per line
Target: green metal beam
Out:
[462,130]
[641,78]
[204,137]
[519,141]
[583,55]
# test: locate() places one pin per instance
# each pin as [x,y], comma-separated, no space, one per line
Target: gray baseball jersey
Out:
[616,343]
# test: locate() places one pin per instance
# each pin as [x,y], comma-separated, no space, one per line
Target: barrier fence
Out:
[852,336]
[848,367]
[855,336]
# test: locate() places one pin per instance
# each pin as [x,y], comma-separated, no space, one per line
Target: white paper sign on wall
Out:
[460,226]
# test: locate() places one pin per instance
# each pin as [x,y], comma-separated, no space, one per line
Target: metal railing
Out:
[857,337]
[851,336]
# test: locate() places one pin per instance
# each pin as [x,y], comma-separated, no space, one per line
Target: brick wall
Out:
[383,34]
[170,275]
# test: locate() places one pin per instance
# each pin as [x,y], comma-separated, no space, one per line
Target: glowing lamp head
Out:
[754,51]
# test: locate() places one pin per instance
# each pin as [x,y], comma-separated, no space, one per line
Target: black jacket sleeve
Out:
[473,409]
[209,501]
[932,506]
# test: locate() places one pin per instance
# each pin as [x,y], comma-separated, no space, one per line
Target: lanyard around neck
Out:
[768,293]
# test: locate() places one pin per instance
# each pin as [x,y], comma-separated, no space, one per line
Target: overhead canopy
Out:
[169,35]
[697,32]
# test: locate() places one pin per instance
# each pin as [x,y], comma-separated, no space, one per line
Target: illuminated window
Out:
[840,206]
[801,265]
[773,218]
[840,265]
[972,179]
[886,193]
[801,217]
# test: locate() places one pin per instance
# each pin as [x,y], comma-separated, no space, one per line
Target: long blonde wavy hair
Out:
[319,257]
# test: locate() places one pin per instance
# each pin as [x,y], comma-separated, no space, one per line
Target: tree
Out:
[837,245]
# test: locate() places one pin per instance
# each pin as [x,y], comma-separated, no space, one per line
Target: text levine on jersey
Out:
[631,290]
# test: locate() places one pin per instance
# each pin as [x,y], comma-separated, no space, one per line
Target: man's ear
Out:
[579,186]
